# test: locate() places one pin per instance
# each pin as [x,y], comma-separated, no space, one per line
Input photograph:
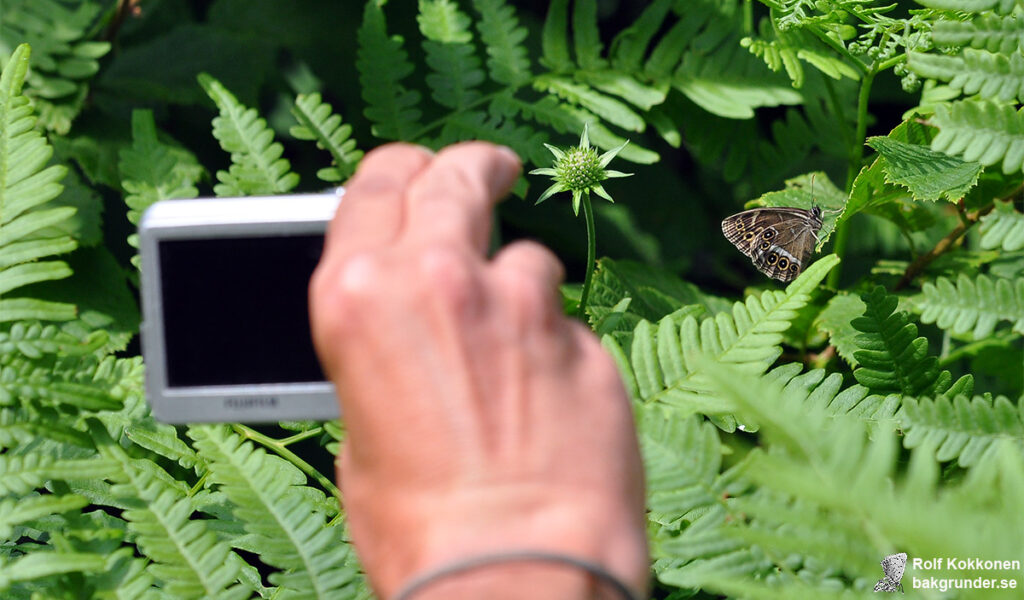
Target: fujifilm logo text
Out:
[250,402]
[963,564]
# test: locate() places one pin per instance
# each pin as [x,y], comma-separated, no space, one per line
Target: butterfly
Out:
[778,240]
[893,566]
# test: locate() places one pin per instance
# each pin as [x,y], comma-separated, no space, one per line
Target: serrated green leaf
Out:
[929,175]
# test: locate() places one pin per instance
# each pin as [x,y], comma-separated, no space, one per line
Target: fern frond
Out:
[663,361]
[892,357]
[188,557]
[835,475]
[976,305]
[982,131]
[318,122]
[689,500]
[162,440]
[256,163]
[503,36]
[383,63]
[995,33]
[33,340]
[553,41]
[731,83]
[961,428]
[15,511]
[27,217]
[607,108]
[22,473]
[975,6]
[586,38]
[449,52]
[1003,228]
[64,57]
[38,565]
[630,46]
[987,74]
[152,171]
[270,501]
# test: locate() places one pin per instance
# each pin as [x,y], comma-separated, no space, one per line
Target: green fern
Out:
[449,52]
[892,357]
[35,566]
[995,33]
[974,305]
[961,428]
[318,122]
[982,131]
[662,363]
[270,502]
[64,56]
[690,501]
[383,63]
[256,163]
[188,557]
[825,502]
[987,74]
[1003,228]
[503,37]
[152,171]
[27,215]
[1000,6]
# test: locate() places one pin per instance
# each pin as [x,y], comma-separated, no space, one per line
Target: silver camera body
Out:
[225,331]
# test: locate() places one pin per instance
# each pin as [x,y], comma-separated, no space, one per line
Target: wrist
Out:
[607,536]
[516,575]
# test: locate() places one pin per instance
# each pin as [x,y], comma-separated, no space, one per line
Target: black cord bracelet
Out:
[419,582]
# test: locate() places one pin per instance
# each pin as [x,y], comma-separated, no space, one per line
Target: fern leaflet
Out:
[256,163]
[383,63]
[188,557]
[318,122]
[961,428]
[982,131]
[152,171]
[270,503]
[995,33]
[503,37]
[974,305]
[892,358]
[987,74]
[449,51]
[27,219]
[663,363]
[1003,228]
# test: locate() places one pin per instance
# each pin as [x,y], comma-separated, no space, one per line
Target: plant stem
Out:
[943,245]
[279,448]
[588,216]
[856,156]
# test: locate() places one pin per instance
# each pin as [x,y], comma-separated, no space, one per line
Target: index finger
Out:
[450,201]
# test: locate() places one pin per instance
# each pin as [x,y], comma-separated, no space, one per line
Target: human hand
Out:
[479,418]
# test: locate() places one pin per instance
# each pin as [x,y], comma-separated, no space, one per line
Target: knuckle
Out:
[447,275]
[341,293]
[531,298]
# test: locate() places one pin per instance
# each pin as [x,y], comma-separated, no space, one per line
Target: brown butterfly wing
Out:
[779,241]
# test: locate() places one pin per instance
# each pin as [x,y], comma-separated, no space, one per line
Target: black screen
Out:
[235,310]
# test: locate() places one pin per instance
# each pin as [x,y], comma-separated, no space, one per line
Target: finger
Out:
[372,211]
[529,275]
[451,200]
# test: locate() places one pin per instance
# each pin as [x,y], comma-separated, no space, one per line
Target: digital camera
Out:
[225,332]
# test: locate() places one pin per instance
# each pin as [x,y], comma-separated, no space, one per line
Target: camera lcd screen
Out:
[235,310]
